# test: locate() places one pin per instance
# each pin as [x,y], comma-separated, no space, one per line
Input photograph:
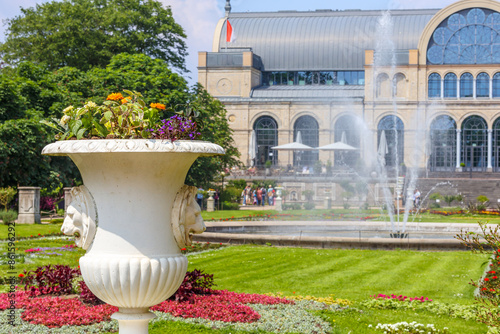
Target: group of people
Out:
[258,195]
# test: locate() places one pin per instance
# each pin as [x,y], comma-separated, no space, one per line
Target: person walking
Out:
[270,195]
[264,193]
[259,196]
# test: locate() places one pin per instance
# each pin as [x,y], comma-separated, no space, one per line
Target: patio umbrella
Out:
[295,146]
[338,146]
[252,148]
[383,149]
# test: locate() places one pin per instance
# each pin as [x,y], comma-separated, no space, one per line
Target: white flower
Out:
[65,119]
[68,109]
[91,104]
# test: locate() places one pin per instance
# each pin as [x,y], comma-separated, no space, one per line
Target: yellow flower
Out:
[158,106]
[68,109]
[64,120]
[115,97]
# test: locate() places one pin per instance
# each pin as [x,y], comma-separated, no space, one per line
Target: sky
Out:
[199,17]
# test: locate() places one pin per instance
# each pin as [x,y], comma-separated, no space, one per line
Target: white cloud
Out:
[198,18]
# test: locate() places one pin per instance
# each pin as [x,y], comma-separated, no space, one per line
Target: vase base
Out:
[133,321]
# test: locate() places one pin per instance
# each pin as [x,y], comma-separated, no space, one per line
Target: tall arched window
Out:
[466,85]
[266,131]
[474,143]
[470,36]
[309,133]
[496,85]
[383,86]
[434,86]
[496,145]
[399,85]
[443,144]
[450,85]
[347,129]
[483,85]
[393,129]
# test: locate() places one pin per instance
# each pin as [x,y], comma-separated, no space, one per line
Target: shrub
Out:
[346,206]
[231,194]
[230,206]
[318,167]
[195,282]
[308,194]
[8,216]
[88,296]
[49,280]
[48,203]
[240,184]
[268,164]
[436,196]
[483,200]
[309,206]
[7,195]
[365,206]
[449,199]
[435,206]
[292,206]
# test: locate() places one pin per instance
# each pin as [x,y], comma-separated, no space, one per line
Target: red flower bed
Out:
[57,312]
[402,298]
[222,305]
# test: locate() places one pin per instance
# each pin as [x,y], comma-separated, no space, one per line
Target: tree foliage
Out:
[88,33]
[42,94]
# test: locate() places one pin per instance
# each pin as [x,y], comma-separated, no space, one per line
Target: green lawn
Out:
[348,274]
[349,214]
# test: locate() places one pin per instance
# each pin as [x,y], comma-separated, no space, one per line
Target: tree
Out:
[88,33]
[21,160]
[214,128]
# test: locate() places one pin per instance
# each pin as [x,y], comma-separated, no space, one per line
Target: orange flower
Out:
[158,106]
[127,99]
[115,97]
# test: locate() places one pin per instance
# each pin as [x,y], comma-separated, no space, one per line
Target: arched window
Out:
[483,85]
[347,129]
[266,132]
[496,145]
[443,144]
[309,135]
[496,85]
[450,85]
[393,129]
[469,36]
[399,85]
[383,86]
[466,85]
[474,147]
[434,86]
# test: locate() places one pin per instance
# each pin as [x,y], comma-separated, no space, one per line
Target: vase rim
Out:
[65,147]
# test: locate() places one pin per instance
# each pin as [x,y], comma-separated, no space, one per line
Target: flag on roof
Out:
[230,36]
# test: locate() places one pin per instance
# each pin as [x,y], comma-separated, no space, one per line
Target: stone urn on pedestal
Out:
[133,215]
[211,201]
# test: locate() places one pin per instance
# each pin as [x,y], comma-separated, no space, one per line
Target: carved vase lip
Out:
[65,147]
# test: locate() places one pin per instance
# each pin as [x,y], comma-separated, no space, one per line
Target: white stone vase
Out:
[133,215]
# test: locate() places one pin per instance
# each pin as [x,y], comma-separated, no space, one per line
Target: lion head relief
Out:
[186,217]
[81,217]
